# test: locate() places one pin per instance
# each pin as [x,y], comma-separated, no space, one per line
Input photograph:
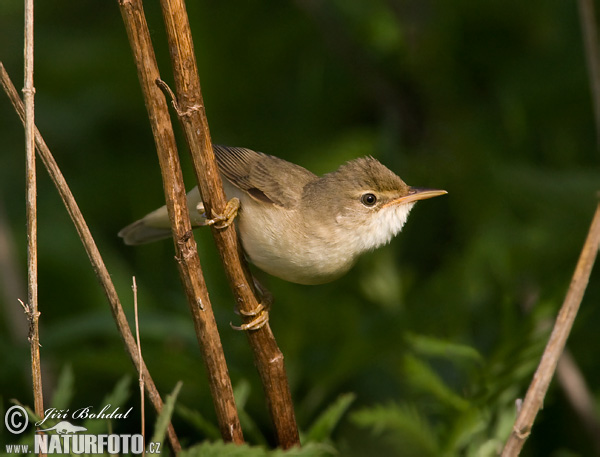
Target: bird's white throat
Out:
[380,229]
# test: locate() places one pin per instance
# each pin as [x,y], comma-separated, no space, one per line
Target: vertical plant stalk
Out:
[185,245]
[556,343]
[190,108]
[92,251]
[587,17]
[140,372]
[31,210]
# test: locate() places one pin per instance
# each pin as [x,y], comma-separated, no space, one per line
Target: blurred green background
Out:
[436,334]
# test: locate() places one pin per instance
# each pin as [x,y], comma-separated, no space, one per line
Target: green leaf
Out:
[241,392]
[252,432]
[119,394]
[164,418]
[198,421]
[423,378]
[467,429]
[323,426]
[220,449]
[63,394]
[33,417]
[308,450]
[436,347]
[404,425]
[116,399]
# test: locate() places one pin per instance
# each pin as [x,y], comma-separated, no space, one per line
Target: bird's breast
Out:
[281,242]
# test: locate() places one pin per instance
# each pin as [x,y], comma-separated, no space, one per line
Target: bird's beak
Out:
[415,194]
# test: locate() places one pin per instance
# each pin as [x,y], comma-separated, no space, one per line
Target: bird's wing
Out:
[263,177]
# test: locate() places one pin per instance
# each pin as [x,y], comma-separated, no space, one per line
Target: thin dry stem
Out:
[31,209]
[91,250]
[190,109]
[141,374]
[556,343]
[185,246]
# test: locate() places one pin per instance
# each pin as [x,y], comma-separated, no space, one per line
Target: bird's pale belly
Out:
[272,250]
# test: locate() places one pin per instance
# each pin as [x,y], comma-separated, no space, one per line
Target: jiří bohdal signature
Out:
[84,413]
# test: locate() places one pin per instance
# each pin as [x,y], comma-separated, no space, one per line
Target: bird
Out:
[293,224]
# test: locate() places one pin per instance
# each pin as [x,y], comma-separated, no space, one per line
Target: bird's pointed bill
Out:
[416,194]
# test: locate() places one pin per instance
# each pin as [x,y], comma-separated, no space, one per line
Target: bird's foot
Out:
[260,313]
[261,317]
[225,219]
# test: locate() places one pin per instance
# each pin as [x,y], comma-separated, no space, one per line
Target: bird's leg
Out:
[225,219]
[265,294]
[200,209]
[200,218]
[261,313]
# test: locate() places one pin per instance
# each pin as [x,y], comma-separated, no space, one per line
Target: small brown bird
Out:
[294,224]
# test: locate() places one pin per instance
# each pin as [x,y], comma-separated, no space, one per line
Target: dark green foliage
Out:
[322,429]
[231,450]
[434,336]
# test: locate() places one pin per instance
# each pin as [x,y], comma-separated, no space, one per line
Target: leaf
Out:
[408,430]
[323,426]
[252,432]
[308,450]
[468,429]
[436,347]
[220,449]
[241,392]
[33,417]
[116,399]
[63,394]
[119,394]
[423,378]
[198,421]
[162,422]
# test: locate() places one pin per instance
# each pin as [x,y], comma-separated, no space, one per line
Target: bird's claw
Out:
[261,317]
[225,219]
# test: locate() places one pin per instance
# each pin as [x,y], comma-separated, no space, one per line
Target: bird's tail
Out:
[156,225]
[141,233]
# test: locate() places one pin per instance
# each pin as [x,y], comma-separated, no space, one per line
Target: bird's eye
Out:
[368,199]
